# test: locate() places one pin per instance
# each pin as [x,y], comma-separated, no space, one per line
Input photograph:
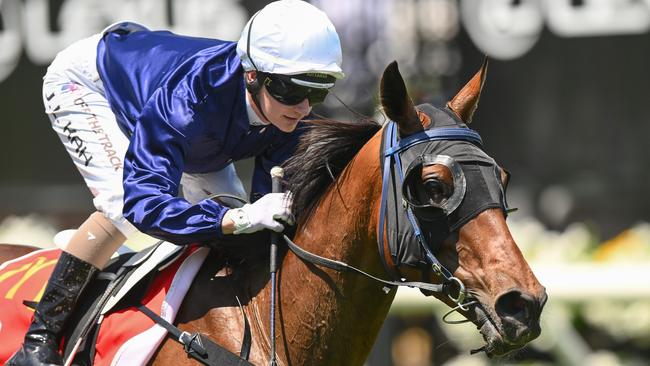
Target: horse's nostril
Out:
[517,305]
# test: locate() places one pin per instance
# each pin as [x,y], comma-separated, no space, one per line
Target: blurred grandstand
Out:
[564,109]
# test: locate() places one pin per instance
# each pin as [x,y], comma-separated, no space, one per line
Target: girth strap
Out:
[197,345]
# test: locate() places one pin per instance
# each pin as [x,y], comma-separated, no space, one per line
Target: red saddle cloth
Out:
[126,336]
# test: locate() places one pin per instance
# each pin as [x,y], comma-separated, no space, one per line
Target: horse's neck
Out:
[330,318]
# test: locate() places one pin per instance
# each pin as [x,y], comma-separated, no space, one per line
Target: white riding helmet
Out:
[291,37]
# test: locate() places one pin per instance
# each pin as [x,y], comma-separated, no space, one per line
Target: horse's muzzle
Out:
[514,322]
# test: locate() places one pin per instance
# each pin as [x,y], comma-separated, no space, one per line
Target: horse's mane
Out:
[323,152]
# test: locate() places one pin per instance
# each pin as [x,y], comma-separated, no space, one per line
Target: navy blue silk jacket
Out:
[181,101]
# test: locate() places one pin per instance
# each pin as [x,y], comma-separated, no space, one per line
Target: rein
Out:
[344,267]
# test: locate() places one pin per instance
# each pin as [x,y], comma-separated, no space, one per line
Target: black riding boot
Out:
[41,344]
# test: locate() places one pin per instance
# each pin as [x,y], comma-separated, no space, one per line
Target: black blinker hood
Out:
[483,191]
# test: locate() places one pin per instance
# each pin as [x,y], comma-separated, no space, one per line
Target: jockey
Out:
[153,121]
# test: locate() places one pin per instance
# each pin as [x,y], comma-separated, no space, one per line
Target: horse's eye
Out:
[437,190]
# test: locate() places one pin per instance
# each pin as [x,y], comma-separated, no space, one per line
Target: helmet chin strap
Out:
[254,89]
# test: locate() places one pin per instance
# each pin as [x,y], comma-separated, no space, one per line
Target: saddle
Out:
[129,309]
[142,279]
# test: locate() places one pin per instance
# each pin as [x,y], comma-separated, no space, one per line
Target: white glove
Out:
[263,214]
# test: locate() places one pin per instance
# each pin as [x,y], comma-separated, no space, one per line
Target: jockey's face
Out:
[284,117]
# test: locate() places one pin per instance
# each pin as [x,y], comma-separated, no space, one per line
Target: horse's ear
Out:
[396,102]
[465,102]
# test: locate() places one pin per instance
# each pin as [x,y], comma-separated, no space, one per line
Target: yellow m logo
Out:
[27,271]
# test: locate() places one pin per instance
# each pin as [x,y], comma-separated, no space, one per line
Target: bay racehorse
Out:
[416,200]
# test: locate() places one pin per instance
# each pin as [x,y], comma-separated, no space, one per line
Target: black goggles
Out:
[285,91]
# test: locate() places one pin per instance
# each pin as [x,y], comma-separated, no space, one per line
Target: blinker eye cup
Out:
[286,92]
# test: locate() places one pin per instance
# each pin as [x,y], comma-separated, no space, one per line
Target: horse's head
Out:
[453,193]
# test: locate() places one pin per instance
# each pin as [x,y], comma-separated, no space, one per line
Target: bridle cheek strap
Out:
[386,170]
[392,147]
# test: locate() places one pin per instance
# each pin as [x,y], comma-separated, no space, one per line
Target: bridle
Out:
[393,147]
[451,286]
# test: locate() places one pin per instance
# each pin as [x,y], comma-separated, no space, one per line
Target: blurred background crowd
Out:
[563,109]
